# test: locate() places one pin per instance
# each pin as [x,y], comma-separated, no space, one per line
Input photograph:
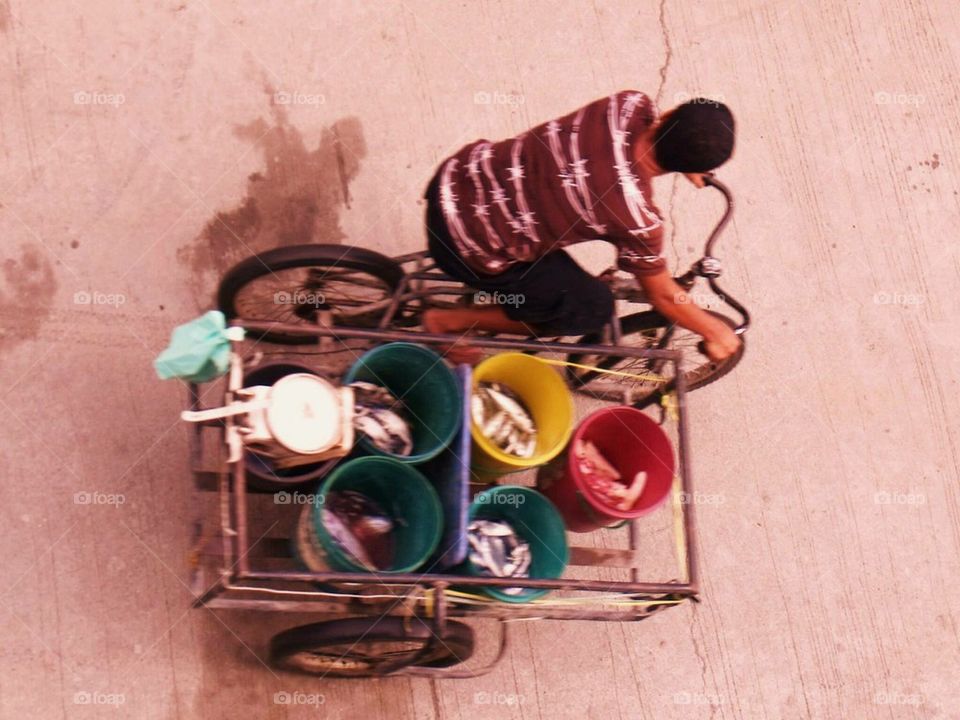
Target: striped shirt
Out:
[566,181]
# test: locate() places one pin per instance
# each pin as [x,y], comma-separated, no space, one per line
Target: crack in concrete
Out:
[668,49]
[673,222]
[698,651]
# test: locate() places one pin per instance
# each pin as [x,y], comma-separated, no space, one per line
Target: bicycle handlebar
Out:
[711,180]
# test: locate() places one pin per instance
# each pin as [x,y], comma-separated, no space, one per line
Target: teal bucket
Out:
[404,494]
[426,387]
[536,520]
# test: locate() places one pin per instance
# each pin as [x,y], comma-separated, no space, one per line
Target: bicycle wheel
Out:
[364,647]
[296,284]
[648,330]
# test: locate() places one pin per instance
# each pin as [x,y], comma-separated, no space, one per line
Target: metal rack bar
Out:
[493,343]
[470,581]
[683,450]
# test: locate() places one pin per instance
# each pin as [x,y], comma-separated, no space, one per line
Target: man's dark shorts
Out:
[554,295]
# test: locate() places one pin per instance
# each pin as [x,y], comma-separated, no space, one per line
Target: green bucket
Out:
[403,493]
[428,389]
[537,521]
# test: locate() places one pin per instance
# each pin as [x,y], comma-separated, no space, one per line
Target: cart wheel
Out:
[297,283]
[364,647]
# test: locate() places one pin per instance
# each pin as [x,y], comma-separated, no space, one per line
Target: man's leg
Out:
[468,321]
[491,319]
[553,296]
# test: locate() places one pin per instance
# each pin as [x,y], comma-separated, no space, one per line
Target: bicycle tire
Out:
[634,325]
[301,649]
[341,257]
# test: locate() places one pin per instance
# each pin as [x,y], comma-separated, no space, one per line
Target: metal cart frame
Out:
[238,583]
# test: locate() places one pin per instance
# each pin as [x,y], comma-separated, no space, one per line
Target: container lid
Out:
[304,413]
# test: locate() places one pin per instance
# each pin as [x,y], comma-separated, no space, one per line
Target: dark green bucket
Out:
[537,521]
[418,377]
[403,493]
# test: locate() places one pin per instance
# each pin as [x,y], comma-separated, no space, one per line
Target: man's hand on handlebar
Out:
[721,343]
[672,301]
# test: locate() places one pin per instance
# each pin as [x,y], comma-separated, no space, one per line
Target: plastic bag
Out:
[199,350]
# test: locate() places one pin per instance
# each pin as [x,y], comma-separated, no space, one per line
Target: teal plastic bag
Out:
[199,350]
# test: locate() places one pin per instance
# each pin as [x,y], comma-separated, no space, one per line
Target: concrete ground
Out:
[830,549]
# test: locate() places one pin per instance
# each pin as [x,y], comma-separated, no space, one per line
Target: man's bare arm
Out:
[672,301]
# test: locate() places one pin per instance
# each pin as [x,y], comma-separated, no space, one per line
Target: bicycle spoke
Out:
[296,295]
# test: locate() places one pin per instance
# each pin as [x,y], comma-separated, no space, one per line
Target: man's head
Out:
[695,137]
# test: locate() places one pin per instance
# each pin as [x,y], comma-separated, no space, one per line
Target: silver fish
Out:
[346,539]
[513,408]
[379,416]
[497,550]
[373,525]
[477,409]
[502,417]
[360,526]
[370,395]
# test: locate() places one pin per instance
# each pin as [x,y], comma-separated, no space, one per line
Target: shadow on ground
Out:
[295,199]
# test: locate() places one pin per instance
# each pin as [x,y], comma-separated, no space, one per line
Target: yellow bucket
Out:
[544,391]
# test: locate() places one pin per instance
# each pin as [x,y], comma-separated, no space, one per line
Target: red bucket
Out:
[632,442]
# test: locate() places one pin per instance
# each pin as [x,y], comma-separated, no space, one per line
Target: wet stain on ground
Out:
[26,295]
[6,17]
[295,199]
